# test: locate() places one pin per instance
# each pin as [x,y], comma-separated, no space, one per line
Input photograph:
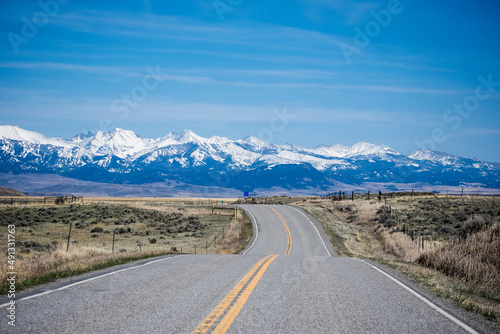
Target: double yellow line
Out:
[230,306]
[288,235]
[223,315]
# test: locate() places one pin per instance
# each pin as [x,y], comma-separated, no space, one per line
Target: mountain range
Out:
[120,157]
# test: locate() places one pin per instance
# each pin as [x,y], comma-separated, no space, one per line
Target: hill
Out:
[10,192]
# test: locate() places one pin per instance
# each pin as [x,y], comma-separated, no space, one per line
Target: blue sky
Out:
[231,68]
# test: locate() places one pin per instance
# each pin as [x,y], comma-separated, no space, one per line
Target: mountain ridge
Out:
[188,136]
[120,156]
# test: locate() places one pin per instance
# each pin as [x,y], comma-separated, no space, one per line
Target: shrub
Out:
[81,224]
[475,224]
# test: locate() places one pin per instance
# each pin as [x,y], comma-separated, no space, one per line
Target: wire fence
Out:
[48,200]
[353,195]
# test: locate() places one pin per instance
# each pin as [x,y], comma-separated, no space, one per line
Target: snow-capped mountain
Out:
[121,156]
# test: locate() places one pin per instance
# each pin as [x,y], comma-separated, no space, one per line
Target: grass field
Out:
[139,227]
[450,244]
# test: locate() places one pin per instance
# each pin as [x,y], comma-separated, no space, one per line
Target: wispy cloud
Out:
[343,87]
[67,67]
[353,12]
[162,27]
[475,132]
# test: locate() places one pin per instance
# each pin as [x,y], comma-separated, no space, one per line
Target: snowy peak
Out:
[256,144]
[358,149]
[253,140]
[16,133]
[118,142]
[188,136]
[216,140]
[435,156]
[9,132]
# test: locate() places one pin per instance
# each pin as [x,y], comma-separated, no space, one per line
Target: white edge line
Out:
[87,280]
[425,300]
[320,237]
[254,221]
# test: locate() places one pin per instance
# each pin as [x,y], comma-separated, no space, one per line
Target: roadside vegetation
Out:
[139,228]
[449,244]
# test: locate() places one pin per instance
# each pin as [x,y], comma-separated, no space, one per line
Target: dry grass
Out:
[237,237]
[399,245]
[45,267]
[475,259]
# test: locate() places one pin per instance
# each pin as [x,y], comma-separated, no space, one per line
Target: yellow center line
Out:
[233,311]
[235,299]
[288,235]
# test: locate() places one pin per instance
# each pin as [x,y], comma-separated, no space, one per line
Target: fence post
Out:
[412,193]
[352,196]
[69,236]
[195,248]
[113,248]
[206,247]
[213,209]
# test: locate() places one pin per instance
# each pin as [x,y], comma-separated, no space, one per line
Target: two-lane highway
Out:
[288,281]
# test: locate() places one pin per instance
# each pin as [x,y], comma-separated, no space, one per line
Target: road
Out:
[289,280]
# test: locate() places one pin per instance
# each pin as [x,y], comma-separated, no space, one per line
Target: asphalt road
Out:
[289,280]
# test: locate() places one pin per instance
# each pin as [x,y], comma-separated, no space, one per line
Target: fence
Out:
[352,195]
[41,200]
